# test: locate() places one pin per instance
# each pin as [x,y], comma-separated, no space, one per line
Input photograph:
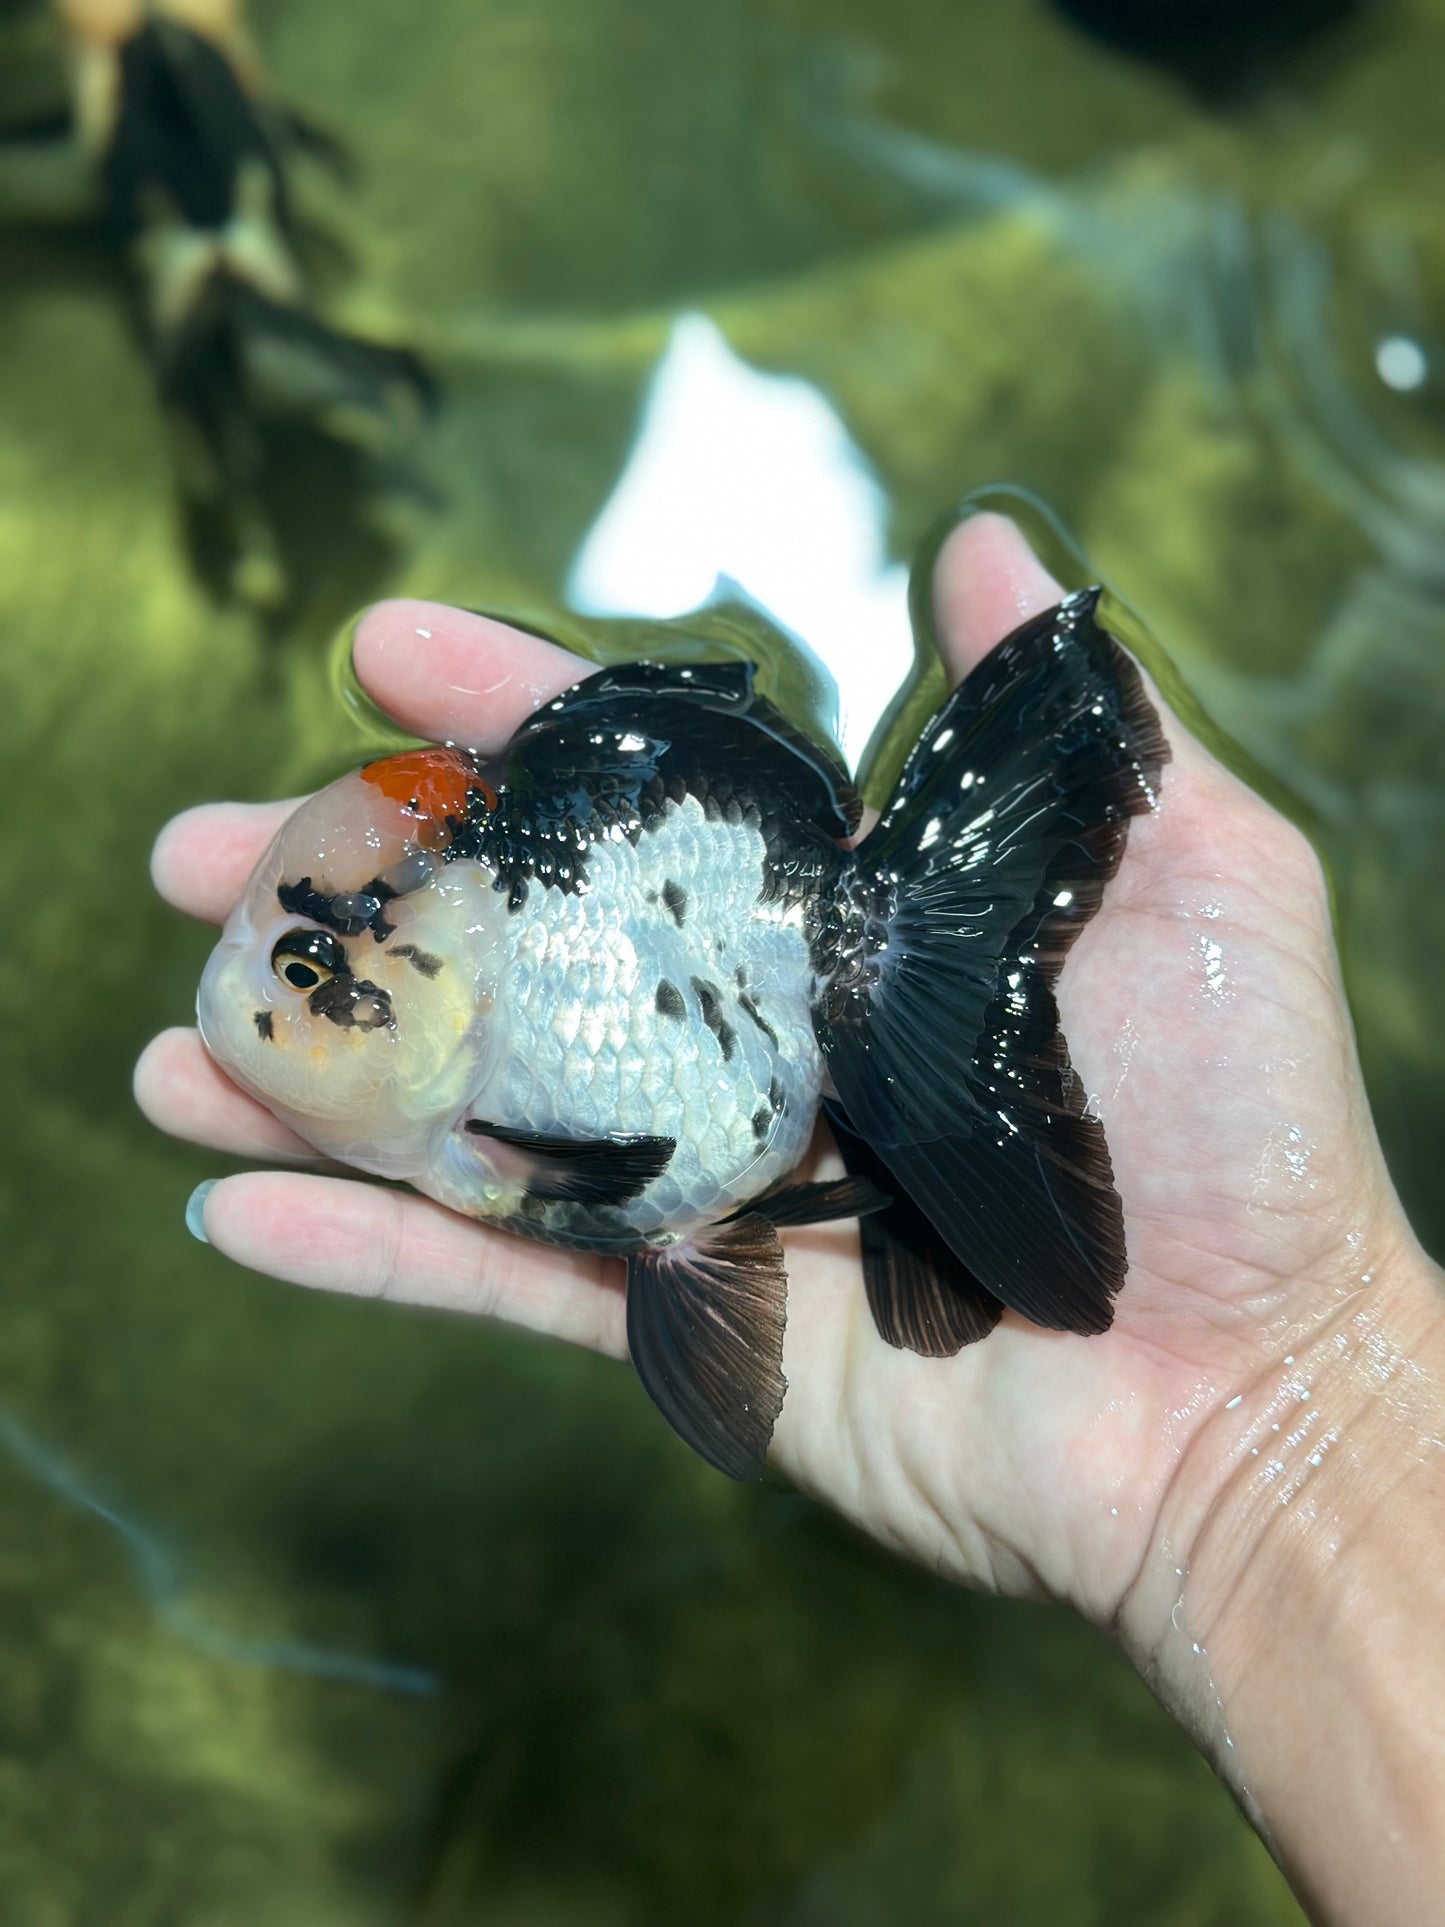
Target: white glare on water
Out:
[1400,362]
[754,479]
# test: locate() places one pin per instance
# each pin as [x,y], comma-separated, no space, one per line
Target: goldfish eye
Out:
[304,960]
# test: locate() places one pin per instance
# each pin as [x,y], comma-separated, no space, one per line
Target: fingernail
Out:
[196,1209]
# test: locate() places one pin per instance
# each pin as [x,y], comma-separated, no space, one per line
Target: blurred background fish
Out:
[184,158]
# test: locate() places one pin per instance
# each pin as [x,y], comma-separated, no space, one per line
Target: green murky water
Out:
[1004,256]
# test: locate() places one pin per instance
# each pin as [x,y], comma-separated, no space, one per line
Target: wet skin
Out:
[1174,1479]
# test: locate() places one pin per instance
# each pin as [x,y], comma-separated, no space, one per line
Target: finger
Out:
[332,1235]
[986,581]
[454,677]
[203,857]
[182,1091]
[442,673]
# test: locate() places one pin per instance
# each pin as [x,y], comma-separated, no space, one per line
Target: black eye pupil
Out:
[305,959]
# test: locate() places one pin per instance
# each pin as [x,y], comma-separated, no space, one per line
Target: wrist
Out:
[1291,1611]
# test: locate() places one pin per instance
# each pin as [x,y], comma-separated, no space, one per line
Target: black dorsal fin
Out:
[705,1324]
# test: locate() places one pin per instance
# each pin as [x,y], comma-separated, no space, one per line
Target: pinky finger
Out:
[330,1234]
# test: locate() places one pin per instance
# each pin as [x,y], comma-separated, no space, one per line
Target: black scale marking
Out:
[421,960]
[710,1004]
[669,1000]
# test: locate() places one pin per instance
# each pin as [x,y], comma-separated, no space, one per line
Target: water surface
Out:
[991,252]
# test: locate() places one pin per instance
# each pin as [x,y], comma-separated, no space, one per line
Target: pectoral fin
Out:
[705,1329]
[608,1170]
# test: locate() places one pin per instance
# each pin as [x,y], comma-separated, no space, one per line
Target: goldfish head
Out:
[351,986]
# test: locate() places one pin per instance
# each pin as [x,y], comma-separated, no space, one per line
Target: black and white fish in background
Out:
[595,991]
[162,133]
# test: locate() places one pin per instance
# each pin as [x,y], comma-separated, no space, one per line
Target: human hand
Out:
[1204,1013]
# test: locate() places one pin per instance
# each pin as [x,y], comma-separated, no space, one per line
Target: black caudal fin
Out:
[922,1299]
[705,1324]
[938,1021]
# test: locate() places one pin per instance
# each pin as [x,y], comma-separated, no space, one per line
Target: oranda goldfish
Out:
[596,989]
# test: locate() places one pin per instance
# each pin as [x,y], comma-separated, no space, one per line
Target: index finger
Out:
[442,673]
[454,677]
[203,857]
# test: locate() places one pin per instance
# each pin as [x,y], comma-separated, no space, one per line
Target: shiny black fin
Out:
[705,1329]
[922,1299]
[821,1203]
[938,1024]
[606,1170]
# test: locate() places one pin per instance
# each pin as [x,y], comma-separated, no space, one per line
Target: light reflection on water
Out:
[742,481]
[163,1585]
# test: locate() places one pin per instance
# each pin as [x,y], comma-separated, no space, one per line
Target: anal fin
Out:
[705,1322]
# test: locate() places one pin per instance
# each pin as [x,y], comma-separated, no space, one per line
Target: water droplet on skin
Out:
[1214,978]
[1297,1159]
[425,634]
[1238,1399]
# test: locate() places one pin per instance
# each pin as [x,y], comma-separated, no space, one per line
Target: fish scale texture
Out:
[582,1048]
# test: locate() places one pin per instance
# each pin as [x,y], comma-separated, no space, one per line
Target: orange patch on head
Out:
[429,783]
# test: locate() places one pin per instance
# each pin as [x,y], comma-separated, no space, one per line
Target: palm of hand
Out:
[1206,1020]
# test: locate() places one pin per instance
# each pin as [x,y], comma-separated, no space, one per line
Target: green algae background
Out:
[657,1697]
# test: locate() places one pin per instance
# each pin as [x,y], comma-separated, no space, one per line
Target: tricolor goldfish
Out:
[595,990]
